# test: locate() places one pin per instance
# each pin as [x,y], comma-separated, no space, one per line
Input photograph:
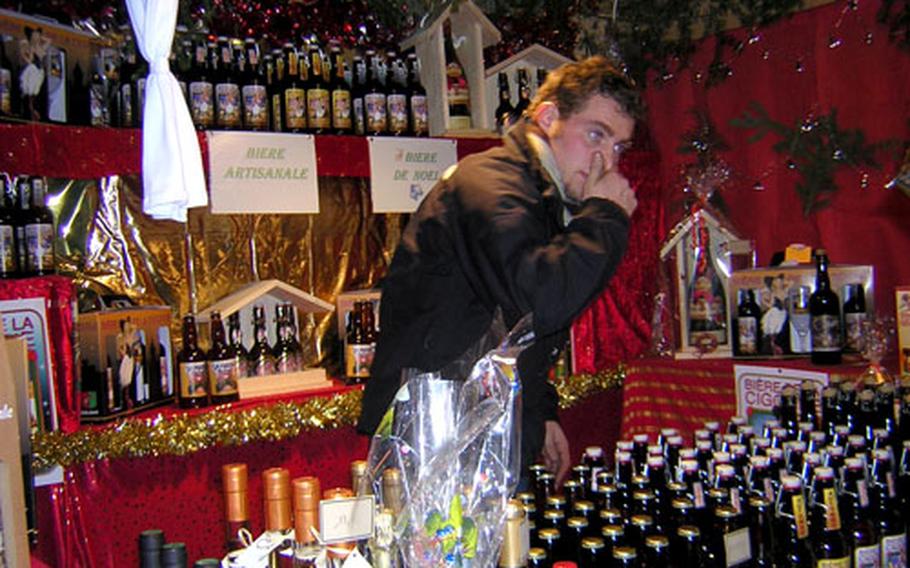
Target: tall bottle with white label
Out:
[824,310]
[39,231]
[9,256]
[192,368]
[223,365]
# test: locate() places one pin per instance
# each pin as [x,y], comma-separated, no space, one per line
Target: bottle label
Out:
[255,107]
[736,500]
[834,562]
[397,113]
[419,114]
[867,557]
[39,239]
[853,331]
[737,548]
[800,333]
[748,335]
[357,360]
[341,109]
[375,111]
[295,108]
[698,495]
[7,249]
[99,115]
[201,105]
[832,511]
[894,551]
[825,333]
[862,491]
[6,85]
[193,379]
[889,483]
[360,125]
[799,516]
[318,108]
[223,376]
[276,113]
[227,102]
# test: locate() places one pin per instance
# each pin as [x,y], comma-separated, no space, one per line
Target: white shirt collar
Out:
[548,161]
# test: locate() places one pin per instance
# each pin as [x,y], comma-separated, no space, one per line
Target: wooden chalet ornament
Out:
[269,293]
[472,32]
[700,254]
[531,58]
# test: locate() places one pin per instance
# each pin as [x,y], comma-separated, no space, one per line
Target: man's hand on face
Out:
[609,184]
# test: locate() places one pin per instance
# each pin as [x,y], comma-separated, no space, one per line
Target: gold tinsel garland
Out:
[184,434]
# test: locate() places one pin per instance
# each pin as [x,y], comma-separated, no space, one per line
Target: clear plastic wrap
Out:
[456,443]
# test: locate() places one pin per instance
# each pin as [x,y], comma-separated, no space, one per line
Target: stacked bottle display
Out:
[824,483]
[27,234]
[211,377]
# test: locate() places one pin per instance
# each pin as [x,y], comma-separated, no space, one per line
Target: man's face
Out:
[599,126]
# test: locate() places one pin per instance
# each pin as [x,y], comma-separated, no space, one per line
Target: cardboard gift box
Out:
[127,360]
[782,295]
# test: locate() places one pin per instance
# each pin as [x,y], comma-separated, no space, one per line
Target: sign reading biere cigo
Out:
[403,170]
[259,172]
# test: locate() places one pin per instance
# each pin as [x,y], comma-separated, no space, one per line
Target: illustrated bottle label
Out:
[193,379]
[894,551]
[357,360]
[255,107]
[39,243]
[223,376]
[295,108]
[853,331]
[360,125]
[375,111]
[748,336]
[397,112]
[834,562]
[867,557]
[7,249]
[825,333]
[201,104]
[227,96]
[419,114]
[341,109]
[319,108]
[6,85]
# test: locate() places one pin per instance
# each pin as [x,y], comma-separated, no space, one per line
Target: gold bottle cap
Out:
[536,553]
[234,481]
[306,493]
[592,542]
[657,541]
[337,493]
[234,477]
[392,489]
[612,530]
[360,478]
[276,482]
[624,553]
[510,554]
[688,531]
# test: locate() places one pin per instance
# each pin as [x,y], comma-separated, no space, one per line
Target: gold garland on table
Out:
[184,434]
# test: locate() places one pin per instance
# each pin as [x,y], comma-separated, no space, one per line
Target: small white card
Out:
[262,172]
[737,547]
[346,519]
[403,170]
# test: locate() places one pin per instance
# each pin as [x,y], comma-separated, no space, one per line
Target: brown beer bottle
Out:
[192,367]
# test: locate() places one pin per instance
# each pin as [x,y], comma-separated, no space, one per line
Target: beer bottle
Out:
[294,91]
[355,354]
[887,511]
[39,231]
[255,89]
[792,524]
[341,95]
[903,476]
[748,324]
[417,99]
[236,505]
[513,553]
[276,90]
[761,526]
[524,95]
[862,535]
[458,97]
[550,542]
[127,99]
[733,544]
[8,84]
[261,361]
[358,90]
[235,335]
[824,310]
[505,109]
[318,98]
[396,96]
[374,99]
[227,91]
[9,255]
[854,314]
[202,88]
[223,365]
[831,550]
[687,546]
[191,366]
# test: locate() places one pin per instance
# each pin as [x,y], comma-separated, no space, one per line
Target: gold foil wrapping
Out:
[276,492]
[234,481]
[513,554]
[306,508]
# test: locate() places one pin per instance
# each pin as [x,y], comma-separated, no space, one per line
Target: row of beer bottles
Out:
[212,376]
[27,233]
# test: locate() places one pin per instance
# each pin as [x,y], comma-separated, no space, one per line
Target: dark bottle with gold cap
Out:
[360,478]
[223,365]
[306,549]
[191,365]
[236,507]
[824,311]
[512,554]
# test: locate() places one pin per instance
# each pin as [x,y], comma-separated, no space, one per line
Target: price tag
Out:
[346,519]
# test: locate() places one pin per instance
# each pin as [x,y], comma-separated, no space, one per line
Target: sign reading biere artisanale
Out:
[255,172]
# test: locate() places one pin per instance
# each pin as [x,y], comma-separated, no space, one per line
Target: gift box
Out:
[782,294]
[127,361]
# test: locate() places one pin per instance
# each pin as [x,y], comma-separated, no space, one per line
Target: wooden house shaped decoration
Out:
[469,23]
[701,253]
[269,293]
[531,58]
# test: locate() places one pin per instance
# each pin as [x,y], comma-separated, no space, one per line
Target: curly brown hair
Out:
[571,85]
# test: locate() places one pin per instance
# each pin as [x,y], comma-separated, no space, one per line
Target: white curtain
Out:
[172,176]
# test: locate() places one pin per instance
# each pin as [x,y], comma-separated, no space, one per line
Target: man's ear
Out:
[545,115]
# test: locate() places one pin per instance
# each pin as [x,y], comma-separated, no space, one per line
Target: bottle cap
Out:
[173,555]
[657,541]
[612,531]
[234,480]
[594,451]
[234,477]
[622,553]
[306,493]
[276,482]
[152,539]
[688,531]
[824,472]
[207,563]
[548,534]
[577,522]
[592,542]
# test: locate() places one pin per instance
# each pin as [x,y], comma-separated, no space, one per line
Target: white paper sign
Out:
[262,172]
[758,388]
[403,170]
[346,519]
